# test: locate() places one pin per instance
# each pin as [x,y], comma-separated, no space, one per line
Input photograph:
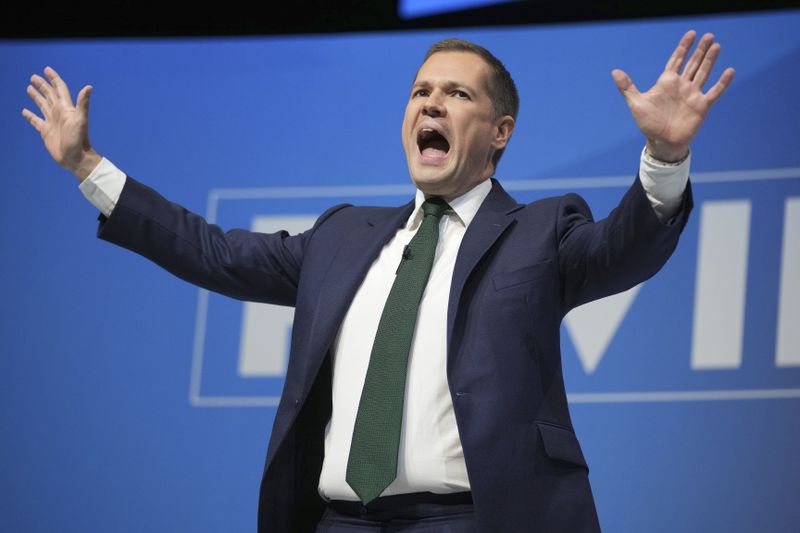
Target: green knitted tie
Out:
[372,464]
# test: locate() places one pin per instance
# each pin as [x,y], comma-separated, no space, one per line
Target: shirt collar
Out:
[465,207]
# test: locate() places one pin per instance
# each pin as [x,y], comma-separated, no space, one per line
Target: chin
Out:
[431,176]
[432,185]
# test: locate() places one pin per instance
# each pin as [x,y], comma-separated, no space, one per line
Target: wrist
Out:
[664,153]
[87,164]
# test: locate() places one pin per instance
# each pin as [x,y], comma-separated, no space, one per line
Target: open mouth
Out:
[432,144]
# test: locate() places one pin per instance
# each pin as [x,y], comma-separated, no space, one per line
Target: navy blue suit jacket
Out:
[519,270]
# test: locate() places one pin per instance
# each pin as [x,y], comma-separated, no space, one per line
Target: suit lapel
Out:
[347,270]
[491,220]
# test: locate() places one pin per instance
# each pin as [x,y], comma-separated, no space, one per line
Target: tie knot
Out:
[435,207]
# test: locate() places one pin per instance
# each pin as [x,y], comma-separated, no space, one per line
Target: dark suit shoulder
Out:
[345,215]
[553,208]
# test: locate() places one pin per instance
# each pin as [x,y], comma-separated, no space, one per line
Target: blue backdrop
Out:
[134,402]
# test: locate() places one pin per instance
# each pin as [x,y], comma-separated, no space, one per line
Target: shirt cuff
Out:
[664,184]
[103,186]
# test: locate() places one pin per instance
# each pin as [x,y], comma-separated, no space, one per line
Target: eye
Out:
[420,92]
[460,94]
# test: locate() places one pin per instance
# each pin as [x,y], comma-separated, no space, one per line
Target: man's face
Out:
[449,130]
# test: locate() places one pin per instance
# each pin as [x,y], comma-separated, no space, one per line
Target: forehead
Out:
[455,66]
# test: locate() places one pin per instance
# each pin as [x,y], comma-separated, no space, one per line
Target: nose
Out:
[434,107]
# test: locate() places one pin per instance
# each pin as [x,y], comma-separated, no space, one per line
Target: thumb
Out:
[624,84]
[83,100]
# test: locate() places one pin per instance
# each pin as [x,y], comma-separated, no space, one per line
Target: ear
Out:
[504,127]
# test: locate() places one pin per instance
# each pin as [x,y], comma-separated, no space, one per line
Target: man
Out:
[448,413]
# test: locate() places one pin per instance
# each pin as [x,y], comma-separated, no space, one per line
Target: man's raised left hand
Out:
[671,113]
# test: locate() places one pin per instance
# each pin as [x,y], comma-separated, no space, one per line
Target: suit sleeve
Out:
[238,263]
[597,259]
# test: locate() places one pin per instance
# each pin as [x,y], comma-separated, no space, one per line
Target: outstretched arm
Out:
[65,126]
[671,113]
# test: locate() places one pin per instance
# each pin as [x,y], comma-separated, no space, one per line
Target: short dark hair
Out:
[502,89]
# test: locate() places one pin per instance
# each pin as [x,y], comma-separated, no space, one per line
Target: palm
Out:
[671,113]
[63,134]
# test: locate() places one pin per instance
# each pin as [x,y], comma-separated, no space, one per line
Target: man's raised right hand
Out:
[65,127]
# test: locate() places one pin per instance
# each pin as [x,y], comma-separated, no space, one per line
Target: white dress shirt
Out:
[430,458]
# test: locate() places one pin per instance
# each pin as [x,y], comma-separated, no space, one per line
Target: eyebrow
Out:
[448,84]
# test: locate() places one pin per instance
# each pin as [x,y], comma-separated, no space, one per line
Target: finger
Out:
[83,100]
[35,121]
[624,84]
[707,65]
[58,84]
[698,56]
[719,88]
[39,100]
[676,59]
[43,87]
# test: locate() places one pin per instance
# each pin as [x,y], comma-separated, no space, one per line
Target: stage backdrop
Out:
[135,402]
